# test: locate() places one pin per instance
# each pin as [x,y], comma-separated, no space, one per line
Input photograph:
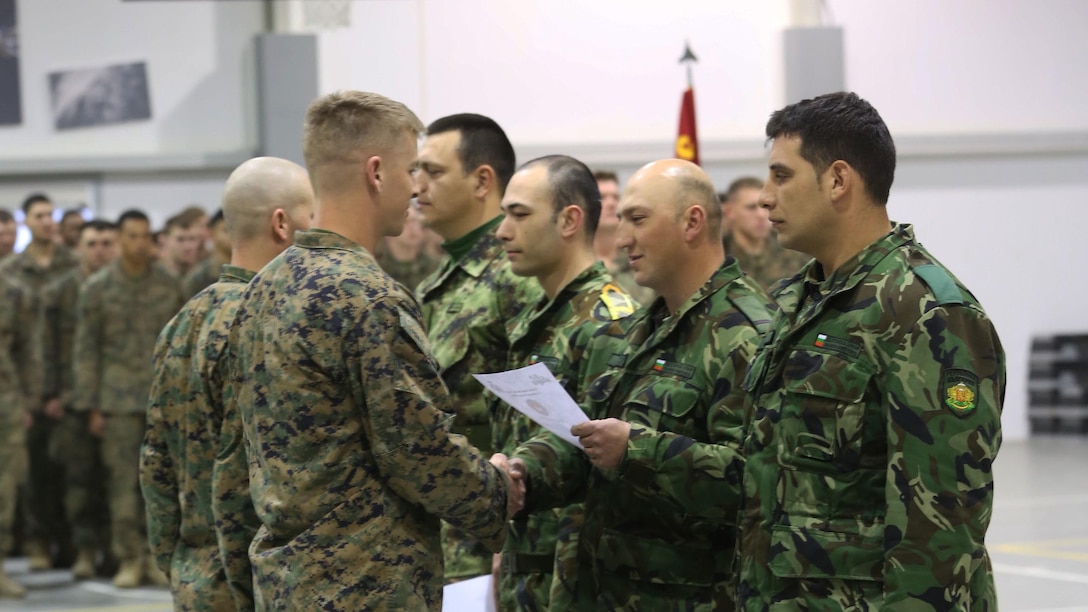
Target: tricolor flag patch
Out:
[659,365]
[820,339]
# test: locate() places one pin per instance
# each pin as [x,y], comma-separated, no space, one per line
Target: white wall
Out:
[198,55]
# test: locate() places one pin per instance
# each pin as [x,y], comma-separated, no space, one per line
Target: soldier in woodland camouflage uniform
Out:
[351,459]
[265,201]
[468,302]
[604,243]
[749,238]
[122,309]
[41,263]
[551,209]
[406,257]
[20,391]
[877,393]
[72,444]
[665,386]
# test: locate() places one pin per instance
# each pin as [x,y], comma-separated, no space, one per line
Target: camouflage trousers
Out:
[539,561]
[73,446]
[44,510]
[463,555]
[13,465]
[198,582]
[120,447]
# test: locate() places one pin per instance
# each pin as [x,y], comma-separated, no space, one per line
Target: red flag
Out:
[687,142]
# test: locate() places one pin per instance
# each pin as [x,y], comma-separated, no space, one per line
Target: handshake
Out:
[517,475]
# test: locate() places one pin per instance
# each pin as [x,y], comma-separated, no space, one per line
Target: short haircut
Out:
[482,143]
[216,219]
[33,199]
[606,175]
[72,212]
[744,182]
[100,225]
[341,124]
[185,219]
[572,183]
[841,126]
[695,190]
[132,215]
[6,216]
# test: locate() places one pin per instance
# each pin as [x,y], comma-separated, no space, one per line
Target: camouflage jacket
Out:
[769,266]
[20,359]
[184,415]
[58,316]
[620,268]
[23,267]
[877,399]
[205,274]
[351,460]
[408,273]
[119,319]
[659,530]
[467,307]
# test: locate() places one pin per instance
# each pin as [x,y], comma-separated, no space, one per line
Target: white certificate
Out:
[534,392]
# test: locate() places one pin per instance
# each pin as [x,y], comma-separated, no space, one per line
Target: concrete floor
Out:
[1038,541]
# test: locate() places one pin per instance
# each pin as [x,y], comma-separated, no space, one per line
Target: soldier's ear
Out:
[840,178]
[485,179]
[694,222]
[570,220]
[374,171]
[280,225]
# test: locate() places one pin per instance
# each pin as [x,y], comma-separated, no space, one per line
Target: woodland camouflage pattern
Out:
[467,307]
[351,459]
[183,423]
[542,334]
[20,392]
[878,398]
[660,530]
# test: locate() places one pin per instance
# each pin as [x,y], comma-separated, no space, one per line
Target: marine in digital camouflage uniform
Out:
[767,267]
[550,207]
[120,316]
[182,441]
[660,526]
[351,460]
[20,392]
[877,394]
[470,300]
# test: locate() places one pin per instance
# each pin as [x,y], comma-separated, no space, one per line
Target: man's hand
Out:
[96,423]
[605,441]
[515,497]
[54,409]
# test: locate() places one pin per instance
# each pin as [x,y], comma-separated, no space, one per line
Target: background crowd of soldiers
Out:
[295,451]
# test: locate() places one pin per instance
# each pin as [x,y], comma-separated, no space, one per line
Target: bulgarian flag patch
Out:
[820,340]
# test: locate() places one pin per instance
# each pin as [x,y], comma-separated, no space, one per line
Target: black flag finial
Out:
[688,55]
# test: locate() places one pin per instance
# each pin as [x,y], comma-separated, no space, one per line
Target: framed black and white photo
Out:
[98,96]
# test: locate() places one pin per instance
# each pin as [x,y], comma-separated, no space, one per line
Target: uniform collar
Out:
[235,274]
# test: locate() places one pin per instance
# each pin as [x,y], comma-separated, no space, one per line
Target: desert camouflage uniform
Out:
[120,317]
[351,459]
[44,492]
[542,334]
[20,392]
[181,444]
[467,308]
[660,529]
[877,401]
[72,444]
[769,266]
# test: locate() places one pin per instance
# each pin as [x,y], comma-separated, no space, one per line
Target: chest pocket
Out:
[667,404]
[823,412]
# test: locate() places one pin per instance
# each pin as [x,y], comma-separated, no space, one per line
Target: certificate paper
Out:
[534,392]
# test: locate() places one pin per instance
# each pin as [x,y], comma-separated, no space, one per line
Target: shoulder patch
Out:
[960,391]
[941,283]
[618,303]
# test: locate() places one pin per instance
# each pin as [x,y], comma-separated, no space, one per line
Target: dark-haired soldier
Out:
[464,165]
[877,394]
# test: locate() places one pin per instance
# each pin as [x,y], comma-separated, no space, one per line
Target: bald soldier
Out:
[265,201]
[662,462]
[346,419]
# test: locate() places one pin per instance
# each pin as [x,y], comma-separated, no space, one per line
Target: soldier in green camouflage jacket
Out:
[20,392]
[72,444]
[877,394]
[665,388]
[551,209]
[122,309]
[468,302]
[345,416]
[265,200]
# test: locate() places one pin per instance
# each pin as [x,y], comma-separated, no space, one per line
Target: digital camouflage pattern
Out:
[542,334]
[351,459]
[467,307]
[20,392]
[203,275]
[120,318]
[877,402]
[774,263]
[184,415]
[26,270]
[660,530]
[71,443]
[408,273]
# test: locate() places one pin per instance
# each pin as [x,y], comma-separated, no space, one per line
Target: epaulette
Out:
[750,305]
[941,283]
[617,302]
